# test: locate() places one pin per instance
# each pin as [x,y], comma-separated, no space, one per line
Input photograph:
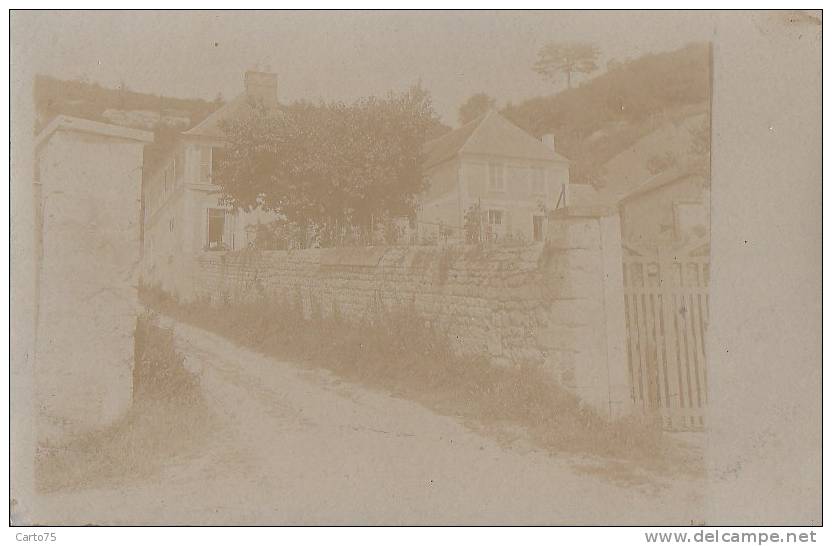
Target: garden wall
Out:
[555,303]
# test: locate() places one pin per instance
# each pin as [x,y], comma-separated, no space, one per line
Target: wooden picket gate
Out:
[666,312]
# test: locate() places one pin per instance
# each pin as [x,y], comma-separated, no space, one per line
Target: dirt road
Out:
[297,446]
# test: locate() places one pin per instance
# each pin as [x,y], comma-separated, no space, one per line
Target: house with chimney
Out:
[494,167]
[182,211]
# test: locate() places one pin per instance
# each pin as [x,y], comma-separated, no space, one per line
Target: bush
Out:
[168,419]
[159,372]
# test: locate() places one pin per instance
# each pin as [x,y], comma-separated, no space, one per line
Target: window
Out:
[496,181]
[538,227]
[205,165]
[495,217]
[171,224]
[538,181]
[220,229]
[217,157]
[216,228]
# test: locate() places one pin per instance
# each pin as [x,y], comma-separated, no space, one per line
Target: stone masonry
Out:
[555,303]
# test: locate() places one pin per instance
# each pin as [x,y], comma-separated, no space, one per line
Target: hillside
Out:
[165,116]
[604,116]
[119,106]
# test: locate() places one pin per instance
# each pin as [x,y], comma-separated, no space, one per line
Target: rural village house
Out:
[183,213]
[511,175]
[490,162]
[664,205]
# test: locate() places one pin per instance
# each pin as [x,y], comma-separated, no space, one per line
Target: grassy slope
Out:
[607,114]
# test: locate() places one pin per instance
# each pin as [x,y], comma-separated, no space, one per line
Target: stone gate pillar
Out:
[87,244]
[585,245]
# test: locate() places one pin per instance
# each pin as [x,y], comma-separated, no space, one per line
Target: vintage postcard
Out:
[415,268]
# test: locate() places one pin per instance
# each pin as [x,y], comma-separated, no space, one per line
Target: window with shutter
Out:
[205,165]
[496,180]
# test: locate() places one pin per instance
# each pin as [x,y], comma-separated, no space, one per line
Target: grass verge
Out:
[168,420]
[400,353]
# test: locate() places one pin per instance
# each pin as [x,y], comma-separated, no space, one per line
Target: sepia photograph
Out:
[416,267]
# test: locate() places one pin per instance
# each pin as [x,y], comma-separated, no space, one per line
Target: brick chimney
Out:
[262,86]
[549,140]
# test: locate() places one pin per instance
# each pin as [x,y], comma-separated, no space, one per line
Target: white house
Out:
[182,210]
[490,162]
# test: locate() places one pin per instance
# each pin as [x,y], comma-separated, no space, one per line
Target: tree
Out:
[567,58]
[476,105]
[338,169]
[700,149]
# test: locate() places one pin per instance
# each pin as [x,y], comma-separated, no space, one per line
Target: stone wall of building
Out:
[553,303]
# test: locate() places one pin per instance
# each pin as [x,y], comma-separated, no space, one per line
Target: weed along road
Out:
[289,445]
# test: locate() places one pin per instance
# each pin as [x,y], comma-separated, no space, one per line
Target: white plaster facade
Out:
[87,194]
[183,212]
[514,178]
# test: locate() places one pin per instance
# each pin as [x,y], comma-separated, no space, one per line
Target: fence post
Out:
[587,243]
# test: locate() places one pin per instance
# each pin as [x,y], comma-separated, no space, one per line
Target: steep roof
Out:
[211,126]
[448,145]
[489,134]
[671,176]
[628,170]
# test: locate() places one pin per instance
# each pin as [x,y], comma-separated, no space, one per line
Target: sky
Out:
[334,55]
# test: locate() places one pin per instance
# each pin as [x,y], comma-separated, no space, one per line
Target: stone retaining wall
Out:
[544,302]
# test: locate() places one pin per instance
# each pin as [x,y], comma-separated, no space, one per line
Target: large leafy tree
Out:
[338,168]
[555,59]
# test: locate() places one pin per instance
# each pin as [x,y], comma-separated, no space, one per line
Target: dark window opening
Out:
[538,228]
[216,229]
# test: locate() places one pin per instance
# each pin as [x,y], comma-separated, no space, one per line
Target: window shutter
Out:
[205,165]
[228,229]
